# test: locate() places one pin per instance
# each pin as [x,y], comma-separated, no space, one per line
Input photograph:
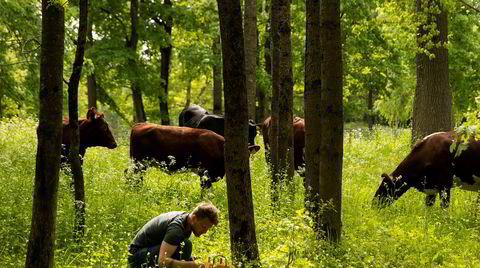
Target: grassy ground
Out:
[404,235]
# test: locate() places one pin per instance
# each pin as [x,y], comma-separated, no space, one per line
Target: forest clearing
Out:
[406,234]
[285,129]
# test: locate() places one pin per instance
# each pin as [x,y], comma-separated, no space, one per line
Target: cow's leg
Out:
[205,182]
[205,185]
[430,199]
[445,198]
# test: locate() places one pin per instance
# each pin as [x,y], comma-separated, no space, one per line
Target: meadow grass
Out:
[406,234]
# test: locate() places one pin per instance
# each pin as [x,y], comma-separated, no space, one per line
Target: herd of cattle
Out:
[435,165]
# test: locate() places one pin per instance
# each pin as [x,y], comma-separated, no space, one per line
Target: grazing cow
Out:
[433,166]
[298,140]
[180,147]
[196,117]
[94,131]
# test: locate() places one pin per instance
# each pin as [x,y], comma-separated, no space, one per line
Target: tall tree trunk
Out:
[250,32]
[260,91]
[331,141]
[77,172]
[91,79]
[92,90]
[165,68]
[217,76]
[274,73]
[267,46]
[41,244]
[312,98]
[432,106]
[132,45]
[237,167]
[104,98]
[282,85]
[267,56]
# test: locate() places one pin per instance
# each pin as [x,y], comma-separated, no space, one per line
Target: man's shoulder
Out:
[172,214]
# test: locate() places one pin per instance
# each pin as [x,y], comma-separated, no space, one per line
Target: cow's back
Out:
[215,123]
[191,116]
[429,158]
[189,146]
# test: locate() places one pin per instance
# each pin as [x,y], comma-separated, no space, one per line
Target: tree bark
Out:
[41,244]
[91,79]
[74,158]
[250,32]
[312,98]
[237,167]
[92,90]
[432,106]
[135,83]
[267,56]
[282,87]
[166,53]
[273,138]
[331,143]
[217,76]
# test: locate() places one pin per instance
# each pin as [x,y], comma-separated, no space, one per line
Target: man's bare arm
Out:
[165,260]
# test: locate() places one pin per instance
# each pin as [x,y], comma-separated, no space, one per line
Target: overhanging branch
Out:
[470,6]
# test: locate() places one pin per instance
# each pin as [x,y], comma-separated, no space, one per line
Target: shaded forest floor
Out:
[407,234]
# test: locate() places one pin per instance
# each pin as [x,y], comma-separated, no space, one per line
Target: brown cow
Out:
[180,147]
[298,141]
[432,167]
[94,131]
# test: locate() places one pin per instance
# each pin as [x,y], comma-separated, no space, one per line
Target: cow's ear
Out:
[99,116]
[253,148]
[91,113]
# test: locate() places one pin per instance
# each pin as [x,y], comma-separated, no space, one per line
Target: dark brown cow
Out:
[94,131]
[431,167]
[298,140]
[180,147]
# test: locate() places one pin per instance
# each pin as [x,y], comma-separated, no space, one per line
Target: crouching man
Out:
[164,240]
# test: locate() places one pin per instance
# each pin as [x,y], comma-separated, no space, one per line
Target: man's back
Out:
[169,227]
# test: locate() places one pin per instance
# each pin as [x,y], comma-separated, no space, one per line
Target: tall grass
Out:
[406,234]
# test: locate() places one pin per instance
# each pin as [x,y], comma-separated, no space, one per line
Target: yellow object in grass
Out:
[217,261]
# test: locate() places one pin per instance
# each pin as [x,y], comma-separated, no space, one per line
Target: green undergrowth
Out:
[406,234]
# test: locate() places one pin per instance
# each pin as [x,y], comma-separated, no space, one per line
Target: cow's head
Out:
[94,131]
[252,132]
[389,191]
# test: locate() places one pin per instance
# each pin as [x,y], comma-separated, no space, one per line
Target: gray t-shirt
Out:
[169,227]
